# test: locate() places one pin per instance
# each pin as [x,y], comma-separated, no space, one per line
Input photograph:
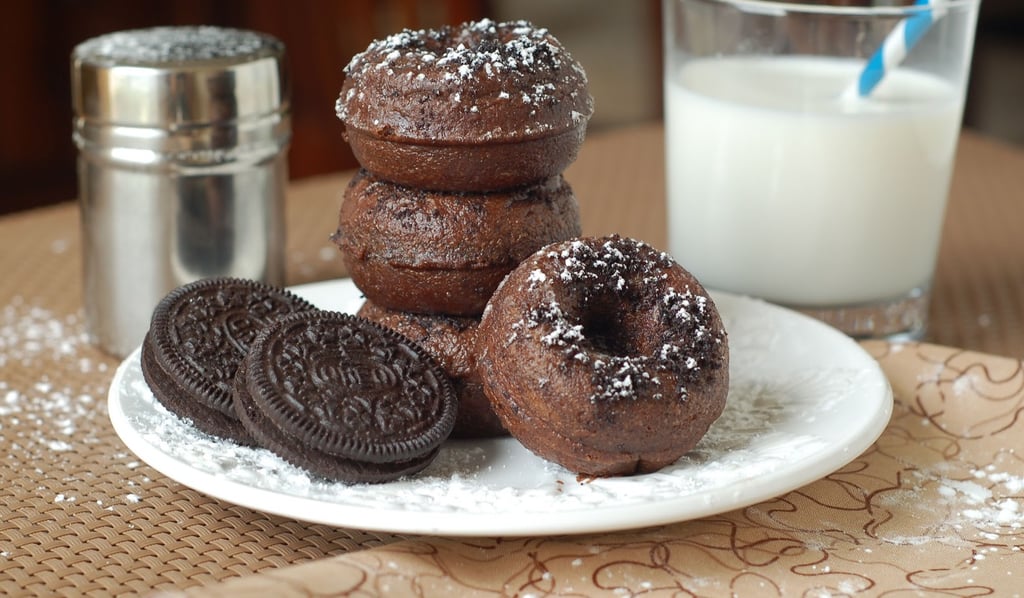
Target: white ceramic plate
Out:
[804,400]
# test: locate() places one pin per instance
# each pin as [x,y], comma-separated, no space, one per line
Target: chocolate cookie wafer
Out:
[344,398]
[198,335]
[451,341]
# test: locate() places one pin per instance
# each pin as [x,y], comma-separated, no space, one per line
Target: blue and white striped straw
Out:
[895,47]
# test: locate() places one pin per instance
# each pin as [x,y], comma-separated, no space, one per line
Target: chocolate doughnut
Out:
[479,107]
[451,341]
[605,356]
[435,252]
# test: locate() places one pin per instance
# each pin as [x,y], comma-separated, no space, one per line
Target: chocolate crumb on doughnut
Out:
[477,107]
[443,252]
[344,398]
[605,356]
[198,335]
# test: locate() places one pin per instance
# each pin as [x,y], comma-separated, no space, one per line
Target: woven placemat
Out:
[978,296]
[79,513]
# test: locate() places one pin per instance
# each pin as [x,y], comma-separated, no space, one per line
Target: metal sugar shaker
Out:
[182,136]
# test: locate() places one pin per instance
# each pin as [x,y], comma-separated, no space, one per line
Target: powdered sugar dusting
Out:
[161,45]
[477,48]
[47,419]
[742,444]
[621,272]
[482,66]
[30,337]
[962,500]
[764,434]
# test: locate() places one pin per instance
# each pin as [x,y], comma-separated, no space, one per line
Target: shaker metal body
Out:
[182,135]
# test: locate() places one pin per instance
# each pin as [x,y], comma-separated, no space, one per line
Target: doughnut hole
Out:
[615,327]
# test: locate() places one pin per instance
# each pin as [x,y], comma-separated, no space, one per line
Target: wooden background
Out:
[37,155]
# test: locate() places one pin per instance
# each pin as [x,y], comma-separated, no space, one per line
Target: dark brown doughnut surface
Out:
[445,253]
[605,356]
[478,107]
[451,341]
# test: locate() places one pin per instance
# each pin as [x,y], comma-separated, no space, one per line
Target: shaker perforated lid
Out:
[165,77]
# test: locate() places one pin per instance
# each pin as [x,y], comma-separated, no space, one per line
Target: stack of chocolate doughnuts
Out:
[462,134]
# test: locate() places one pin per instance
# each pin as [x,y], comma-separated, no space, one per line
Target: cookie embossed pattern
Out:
[797,411]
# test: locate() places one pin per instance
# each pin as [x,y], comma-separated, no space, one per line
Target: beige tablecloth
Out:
[934,507]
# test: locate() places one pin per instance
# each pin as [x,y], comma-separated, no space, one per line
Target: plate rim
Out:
[481,524]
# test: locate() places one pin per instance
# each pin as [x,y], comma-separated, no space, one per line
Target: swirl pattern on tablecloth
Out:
[936,505]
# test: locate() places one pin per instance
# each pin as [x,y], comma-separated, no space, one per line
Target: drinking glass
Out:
[808,162]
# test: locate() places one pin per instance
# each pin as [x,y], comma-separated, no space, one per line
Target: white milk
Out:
[779,189]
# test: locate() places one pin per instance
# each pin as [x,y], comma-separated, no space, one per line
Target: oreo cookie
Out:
[197,337]
[344,398]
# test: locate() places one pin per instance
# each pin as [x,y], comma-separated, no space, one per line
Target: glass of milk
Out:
[783,185]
